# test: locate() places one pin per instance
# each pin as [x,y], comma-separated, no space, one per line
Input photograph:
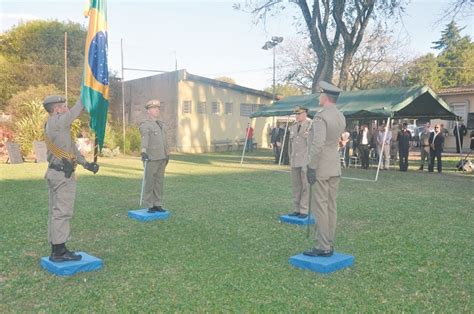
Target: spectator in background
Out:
[364,140]
[394,143]
[443,131]
[355,143]
[275,140]
[404,141]
[286,141]
[459,139]
[436,148]
[472,140]
[383,142]
[249,137]
[425,146]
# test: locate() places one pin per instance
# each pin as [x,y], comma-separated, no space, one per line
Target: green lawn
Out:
[223,248]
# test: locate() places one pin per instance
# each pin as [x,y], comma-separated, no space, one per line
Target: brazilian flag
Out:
[95,80]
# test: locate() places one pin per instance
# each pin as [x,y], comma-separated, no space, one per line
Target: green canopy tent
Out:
[395,103]
[390,103]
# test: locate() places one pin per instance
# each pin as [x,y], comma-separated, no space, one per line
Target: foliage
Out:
[37,93]
[29,125]
[224,250]
[284,90]
[327,22]
[453,66]
[32,53]
[225,79]
[132,138]
[110,138]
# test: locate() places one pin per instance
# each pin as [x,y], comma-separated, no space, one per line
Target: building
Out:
[461,101]
[198,111]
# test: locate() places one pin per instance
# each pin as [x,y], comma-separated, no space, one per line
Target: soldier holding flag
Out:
[63,156]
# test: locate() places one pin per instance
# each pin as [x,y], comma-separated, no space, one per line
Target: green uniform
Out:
[155,145]
[328,125]
[298,151]
[62,190]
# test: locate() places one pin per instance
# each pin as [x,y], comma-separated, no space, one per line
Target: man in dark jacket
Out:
[459,135]
[404,140]
[436,148]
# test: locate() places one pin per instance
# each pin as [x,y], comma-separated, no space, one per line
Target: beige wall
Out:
[456,100]
[196,130]
[162,87]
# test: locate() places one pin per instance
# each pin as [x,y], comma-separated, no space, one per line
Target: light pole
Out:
[271,44]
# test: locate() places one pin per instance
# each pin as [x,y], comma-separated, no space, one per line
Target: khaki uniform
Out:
[155,145]
[62,190]
[327,127]
[298,151]
[425,148]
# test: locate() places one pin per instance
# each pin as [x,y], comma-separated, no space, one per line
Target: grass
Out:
[223,248]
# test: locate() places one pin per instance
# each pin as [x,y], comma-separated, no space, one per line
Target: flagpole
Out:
[123,96]
[65,65]
[96,148]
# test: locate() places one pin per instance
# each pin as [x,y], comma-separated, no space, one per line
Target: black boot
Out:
[61,254]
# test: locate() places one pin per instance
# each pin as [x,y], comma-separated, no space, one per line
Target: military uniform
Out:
[298,151]
[323,159]
[155,146]
[425,148]
[62,156]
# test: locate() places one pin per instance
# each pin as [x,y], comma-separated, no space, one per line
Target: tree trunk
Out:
[345,65]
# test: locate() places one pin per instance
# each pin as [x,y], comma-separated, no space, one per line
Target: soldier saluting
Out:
[155,153]
[63,157]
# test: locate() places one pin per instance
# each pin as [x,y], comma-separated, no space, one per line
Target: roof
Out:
[469,89]
[403,102]
[193,77]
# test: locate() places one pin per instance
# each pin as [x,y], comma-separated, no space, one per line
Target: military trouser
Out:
[300,189]
[62,195]
[154,179]
[425,155]
[325,209]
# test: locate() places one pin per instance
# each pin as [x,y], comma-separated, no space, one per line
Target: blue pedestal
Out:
[297,221]
[87,263]
[143,215]
[322,264]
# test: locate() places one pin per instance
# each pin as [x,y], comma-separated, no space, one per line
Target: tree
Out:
[424,71]
[284,90]
[33,54]
[327,22]
[457,7]
[226,79]
[32,93]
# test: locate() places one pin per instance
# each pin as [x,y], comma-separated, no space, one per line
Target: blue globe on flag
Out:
[98,58]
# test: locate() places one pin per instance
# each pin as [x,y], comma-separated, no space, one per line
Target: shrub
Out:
[132,139]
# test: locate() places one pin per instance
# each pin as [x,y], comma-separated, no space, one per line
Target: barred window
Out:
[229,108]
[256,107]
[245,110]
[187,106]
[201,107]
[215,108]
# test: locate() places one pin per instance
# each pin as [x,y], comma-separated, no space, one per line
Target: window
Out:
[255,107]
[201,107]
[229,108]
[459,109]
[215,107]
[245,110]
[187,106]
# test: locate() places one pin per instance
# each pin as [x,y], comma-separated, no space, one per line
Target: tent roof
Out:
[403,102]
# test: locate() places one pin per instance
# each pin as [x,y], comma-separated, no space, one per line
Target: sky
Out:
[209,38]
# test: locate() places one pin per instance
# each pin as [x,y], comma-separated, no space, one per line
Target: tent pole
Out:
[381,149]
[284,139]
[458,138]
[245,142]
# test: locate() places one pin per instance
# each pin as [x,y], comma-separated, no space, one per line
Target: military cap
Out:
[300,109]
[53,99]
[152,104]
[328,88]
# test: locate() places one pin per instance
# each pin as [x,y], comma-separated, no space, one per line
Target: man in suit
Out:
[155,153]
[298,151]
[436,148]
[364,140]
[324,167]
[62,156]
[404,140]
[459,135]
